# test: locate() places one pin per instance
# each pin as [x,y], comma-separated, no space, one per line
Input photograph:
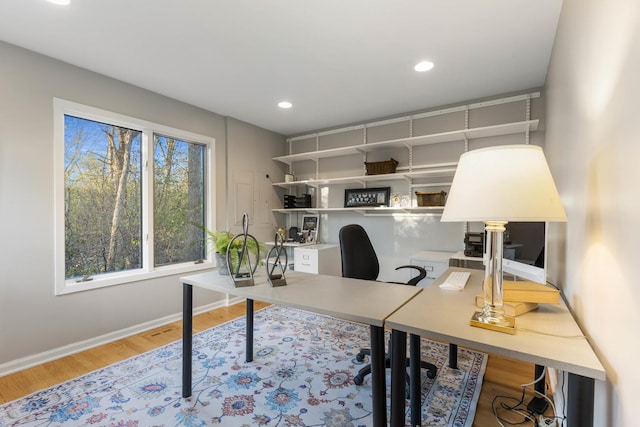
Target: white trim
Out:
[131,276]
[67,350]
[63,107]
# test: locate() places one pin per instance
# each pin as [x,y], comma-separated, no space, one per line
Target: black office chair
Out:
[359,261]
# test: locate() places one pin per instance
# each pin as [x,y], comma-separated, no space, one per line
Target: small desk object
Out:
[330,295]
[548,336]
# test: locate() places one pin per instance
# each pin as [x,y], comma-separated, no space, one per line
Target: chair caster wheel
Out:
[358,380]
[360,357]
[431,373]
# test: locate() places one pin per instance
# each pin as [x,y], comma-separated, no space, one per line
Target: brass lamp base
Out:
[509,328]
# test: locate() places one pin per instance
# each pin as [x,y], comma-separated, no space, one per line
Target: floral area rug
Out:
[302,375]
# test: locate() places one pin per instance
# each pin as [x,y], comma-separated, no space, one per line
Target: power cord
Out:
[520,408]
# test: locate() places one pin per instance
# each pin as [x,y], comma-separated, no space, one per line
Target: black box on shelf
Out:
[292,202]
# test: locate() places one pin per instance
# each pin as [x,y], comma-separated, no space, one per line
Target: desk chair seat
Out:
[359,261]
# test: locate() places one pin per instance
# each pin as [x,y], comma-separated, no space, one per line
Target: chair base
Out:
[432,370]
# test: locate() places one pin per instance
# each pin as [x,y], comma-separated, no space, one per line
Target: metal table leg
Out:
[580,401]
[249,319]
[453,356]
[398,377]
[415,394]
[187,338]
[378,381]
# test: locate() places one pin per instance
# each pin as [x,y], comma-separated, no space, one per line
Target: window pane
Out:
[179,213]
[103,223]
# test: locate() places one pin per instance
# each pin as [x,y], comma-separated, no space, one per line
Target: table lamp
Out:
[496,185]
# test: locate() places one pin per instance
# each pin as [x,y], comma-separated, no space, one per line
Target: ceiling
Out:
[337,61]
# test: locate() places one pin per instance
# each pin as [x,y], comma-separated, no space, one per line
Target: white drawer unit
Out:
[318,259]
[434,262]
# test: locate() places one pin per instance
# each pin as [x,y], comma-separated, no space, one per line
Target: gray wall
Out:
[592,146]
[32,319]
[251,174]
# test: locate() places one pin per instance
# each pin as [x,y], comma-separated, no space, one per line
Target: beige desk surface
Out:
[360,301]
[444,316]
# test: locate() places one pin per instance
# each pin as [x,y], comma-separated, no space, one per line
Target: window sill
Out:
[113,279]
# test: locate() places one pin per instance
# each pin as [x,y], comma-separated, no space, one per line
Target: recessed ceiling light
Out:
[60,2]
[423,66]
[285,104]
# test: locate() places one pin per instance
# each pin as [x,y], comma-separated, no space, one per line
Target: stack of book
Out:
[522,296]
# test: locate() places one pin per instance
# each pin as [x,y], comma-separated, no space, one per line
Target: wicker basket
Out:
[431,199]
[378,168]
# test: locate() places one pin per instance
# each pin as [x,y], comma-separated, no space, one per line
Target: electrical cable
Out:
[550,334]
[537,380]
[503,405]
[526,414]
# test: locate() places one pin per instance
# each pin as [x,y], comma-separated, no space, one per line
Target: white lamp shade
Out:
[503,183]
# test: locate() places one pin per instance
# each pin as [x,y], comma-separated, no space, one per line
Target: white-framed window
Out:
[132,198]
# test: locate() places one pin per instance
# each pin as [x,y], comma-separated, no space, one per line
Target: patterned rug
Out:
[302,375]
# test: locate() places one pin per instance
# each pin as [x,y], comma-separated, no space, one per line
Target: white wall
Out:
[32,319]
[592,145]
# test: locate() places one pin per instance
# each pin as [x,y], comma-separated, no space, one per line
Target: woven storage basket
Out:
[431,199]
[378,168]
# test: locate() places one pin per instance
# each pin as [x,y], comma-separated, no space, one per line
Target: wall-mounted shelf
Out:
[436,138]
[436,170]
[411,149]
[367,211]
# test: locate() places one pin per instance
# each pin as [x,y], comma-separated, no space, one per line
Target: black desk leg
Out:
[187,338]
[453,356]
[415,389]
[580,401]
[398,377]
[249,319]
[378,380]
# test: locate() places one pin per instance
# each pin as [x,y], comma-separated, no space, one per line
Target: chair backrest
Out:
[359,259]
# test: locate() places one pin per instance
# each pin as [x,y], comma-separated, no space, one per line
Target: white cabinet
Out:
[434,262]
[318,259]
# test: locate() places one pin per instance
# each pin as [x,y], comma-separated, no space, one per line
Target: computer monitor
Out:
[525,254]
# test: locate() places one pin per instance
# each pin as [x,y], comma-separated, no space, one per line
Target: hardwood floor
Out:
[502,378]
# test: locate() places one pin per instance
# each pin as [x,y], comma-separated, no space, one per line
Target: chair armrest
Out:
[422,273]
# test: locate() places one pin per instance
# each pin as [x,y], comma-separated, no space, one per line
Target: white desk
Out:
[444,315]
[360,301]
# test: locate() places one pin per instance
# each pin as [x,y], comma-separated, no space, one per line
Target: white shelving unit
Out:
[423,175]
[377,211]
[436,138]
[423,171]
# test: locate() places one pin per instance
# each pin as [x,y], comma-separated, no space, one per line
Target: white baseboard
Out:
[67,350]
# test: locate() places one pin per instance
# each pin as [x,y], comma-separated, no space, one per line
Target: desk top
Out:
[542,336]
[356,300]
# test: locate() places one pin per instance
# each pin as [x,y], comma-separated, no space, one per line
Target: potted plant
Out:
[220,241]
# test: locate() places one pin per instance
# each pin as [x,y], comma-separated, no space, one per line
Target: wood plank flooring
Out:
[503,375]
